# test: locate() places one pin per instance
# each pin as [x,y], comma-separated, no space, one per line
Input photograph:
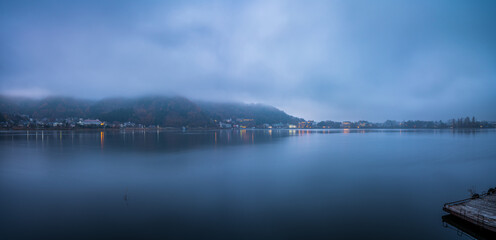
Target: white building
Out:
[91,122]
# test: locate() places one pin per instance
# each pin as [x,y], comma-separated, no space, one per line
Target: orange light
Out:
[102,139]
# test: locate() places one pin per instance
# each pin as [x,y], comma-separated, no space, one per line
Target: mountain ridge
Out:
[174,111]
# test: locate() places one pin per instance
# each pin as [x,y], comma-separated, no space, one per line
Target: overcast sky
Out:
[338,60]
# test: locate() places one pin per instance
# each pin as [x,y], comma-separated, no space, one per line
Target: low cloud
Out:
[336,60]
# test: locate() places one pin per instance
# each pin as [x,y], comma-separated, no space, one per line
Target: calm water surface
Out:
[271,184]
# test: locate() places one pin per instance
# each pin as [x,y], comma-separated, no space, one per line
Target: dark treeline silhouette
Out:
[452,123]
[466,123]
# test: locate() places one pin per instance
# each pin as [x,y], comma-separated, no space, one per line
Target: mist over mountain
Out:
[50,107]
[150,110]
[259,112]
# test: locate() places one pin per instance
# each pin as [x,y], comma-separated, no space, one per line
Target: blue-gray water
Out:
[272,184]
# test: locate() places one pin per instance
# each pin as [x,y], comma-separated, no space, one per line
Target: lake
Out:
[239,184]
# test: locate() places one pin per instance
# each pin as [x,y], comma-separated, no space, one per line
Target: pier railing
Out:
[457,202]
[475,196]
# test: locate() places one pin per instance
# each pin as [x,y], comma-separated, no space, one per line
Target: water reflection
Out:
[156,140]
[466,229]
[140,140]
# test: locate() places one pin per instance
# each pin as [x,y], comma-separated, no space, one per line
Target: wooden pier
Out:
[479,210]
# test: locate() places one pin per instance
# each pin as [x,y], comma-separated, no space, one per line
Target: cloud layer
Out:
[341,60]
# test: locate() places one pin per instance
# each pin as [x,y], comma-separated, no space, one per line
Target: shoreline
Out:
[172,129]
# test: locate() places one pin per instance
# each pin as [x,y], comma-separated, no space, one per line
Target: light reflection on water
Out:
[153,137]
[297,183]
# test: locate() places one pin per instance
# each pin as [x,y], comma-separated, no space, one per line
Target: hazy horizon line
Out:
[39,98]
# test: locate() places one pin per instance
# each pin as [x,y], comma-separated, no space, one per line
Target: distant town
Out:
[26,122]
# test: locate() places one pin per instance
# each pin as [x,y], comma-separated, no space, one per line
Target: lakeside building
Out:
[91,122]
[225,125]
[307,124]
[346,124]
